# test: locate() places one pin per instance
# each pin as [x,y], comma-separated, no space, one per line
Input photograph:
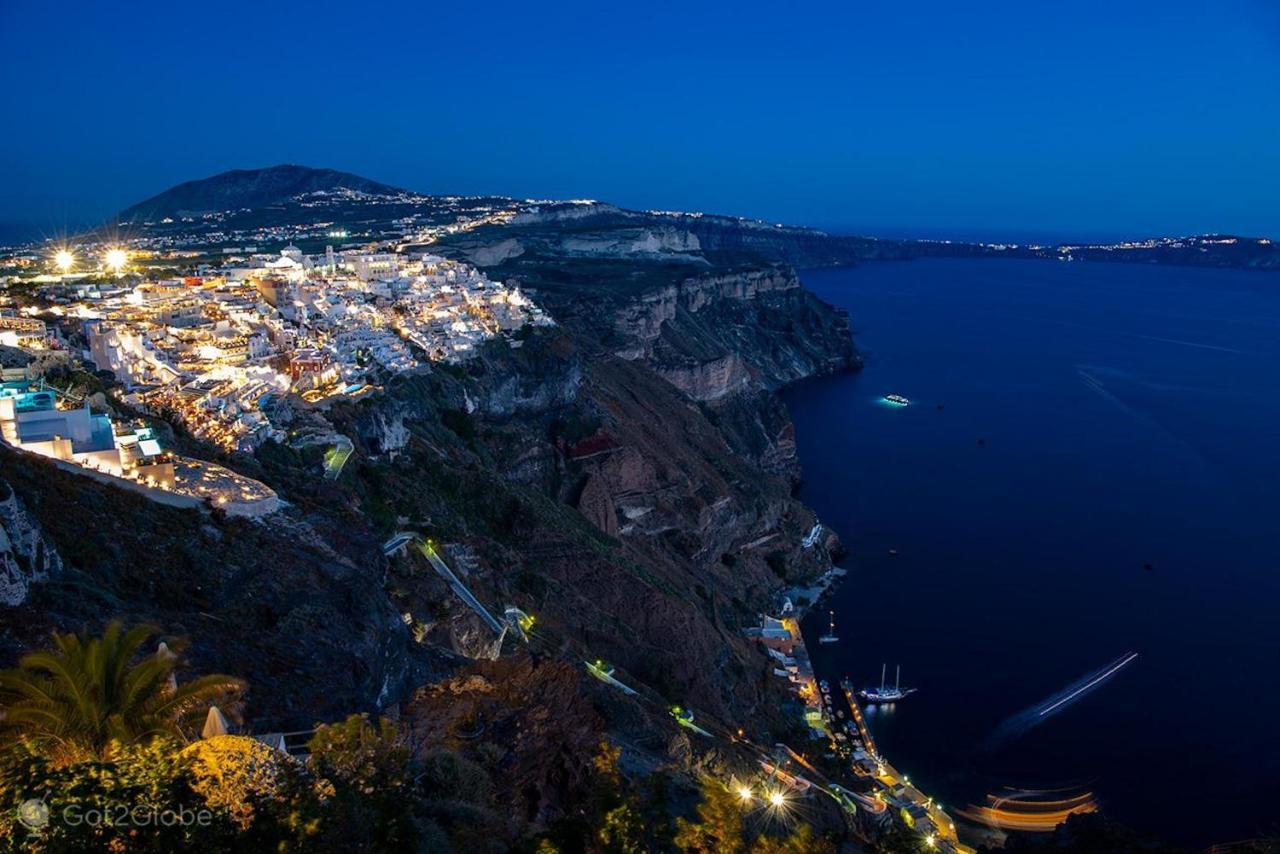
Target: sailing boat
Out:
[830,636]
[885,694]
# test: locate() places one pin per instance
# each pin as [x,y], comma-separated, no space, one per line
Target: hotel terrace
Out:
[41,420]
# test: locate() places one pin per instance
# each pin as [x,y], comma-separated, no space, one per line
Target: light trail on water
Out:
[1047,708]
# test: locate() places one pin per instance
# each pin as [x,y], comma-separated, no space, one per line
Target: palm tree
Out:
[76,700]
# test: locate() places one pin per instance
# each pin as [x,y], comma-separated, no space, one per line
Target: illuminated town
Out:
[215,349]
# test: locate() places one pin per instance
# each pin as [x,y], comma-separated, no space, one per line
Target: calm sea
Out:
[1125,497]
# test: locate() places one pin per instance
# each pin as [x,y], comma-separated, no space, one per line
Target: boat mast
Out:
[897,677]
[882,669]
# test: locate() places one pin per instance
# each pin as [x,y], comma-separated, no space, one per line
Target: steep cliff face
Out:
[639,503]
[626,476]
[636,242]
[295,608]
[714,335]
[26,557]
[563,229]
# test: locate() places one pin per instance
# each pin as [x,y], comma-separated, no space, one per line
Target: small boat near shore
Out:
[896,400]
[885,693]
[830,636]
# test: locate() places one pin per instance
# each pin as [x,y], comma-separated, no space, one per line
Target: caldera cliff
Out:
[626,476]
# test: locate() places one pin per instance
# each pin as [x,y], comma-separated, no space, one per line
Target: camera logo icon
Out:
[33,813]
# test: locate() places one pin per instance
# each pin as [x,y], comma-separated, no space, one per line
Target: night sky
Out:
[930,118]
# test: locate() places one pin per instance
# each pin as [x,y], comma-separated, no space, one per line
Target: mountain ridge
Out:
[250,188]
[558,231]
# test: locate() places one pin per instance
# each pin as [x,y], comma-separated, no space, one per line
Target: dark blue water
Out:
[1131,416]
[16,234]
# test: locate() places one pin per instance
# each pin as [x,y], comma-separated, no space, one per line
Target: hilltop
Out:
[525,237]
[251,188]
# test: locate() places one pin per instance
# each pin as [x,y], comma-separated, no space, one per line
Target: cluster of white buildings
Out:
[41,420]
[216,348]
[31,419]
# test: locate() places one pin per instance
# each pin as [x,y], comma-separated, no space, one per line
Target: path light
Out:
[745,794]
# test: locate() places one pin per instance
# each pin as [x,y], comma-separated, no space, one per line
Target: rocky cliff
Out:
[602,230]
[715,334]
[608,476]
[26,557]
[626,476]
[294,605]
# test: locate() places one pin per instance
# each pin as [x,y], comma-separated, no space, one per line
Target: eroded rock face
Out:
[710,380]
[388,433]
[26,557]
[643,317]
[638,242]
[496,253]
[516,394]
[714,336]
[597,505]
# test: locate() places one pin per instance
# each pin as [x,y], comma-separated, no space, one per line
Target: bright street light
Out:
[745,794]
[116,259]
[64,259]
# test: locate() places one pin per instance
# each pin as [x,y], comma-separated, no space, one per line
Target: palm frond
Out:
[88,693]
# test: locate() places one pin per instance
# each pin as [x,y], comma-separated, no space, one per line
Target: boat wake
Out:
[1096,385]
[1020,723]
[1030,810]
[1196,344]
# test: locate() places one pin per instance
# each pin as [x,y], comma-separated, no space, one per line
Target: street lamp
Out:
[116,259]
[64,260]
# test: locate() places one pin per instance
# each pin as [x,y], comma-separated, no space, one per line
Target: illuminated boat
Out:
[886,694]
[830,636]
[896,399]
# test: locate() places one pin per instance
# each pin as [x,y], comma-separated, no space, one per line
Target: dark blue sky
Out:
[1077,118]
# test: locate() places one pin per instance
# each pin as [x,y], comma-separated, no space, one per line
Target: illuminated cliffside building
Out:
[31,420]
